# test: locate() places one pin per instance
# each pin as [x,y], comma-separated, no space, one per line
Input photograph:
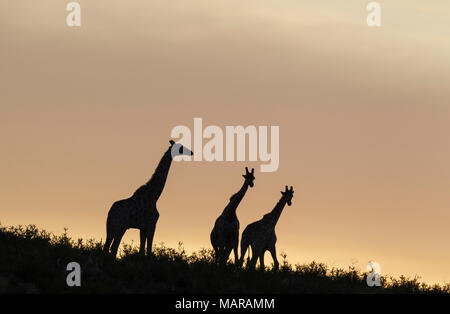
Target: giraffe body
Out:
[225,234]
[139,211]
[260,235]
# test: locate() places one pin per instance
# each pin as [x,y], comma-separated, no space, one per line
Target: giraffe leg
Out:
[273,252]
[250,254]
[227,253]
[216,254]
[150,234]
[241,259]
[143,236]
[234,247]
[115,245]
[244,247]
[236,259]
[254,259]
[261,261]
[222,253]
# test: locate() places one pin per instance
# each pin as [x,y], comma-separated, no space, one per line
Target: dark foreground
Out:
[34,261]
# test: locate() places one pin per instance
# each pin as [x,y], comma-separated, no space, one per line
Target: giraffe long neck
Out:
[236,199]
[274,215]
[158,180]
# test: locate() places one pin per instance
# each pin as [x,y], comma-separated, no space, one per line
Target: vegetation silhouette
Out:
[34,261]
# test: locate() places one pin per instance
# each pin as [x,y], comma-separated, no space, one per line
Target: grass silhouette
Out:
[34,261]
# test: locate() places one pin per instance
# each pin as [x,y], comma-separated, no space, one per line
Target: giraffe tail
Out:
[109,239]
[109,234]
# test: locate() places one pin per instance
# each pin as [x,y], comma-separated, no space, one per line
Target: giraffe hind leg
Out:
[143,237]
[252,263]
[227,252]
[244,247]
[224,252]
[241,258]
[115,245]
[216,254]
[220,254]
[273,252]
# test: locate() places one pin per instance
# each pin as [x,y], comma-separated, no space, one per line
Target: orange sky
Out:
[364,116]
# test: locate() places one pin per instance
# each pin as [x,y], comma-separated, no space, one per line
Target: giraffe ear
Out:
[171,142]
[253,170]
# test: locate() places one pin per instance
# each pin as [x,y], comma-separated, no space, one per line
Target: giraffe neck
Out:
[156,184]
[274,215]
[236,199]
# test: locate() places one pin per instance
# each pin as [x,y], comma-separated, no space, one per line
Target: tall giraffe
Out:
[139,211]
[260,235]
[225,234]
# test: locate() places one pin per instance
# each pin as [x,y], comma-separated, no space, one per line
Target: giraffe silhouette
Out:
[225,234]
[260,235]
[139,211]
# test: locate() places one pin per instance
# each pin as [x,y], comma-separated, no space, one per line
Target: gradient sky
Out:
[364,116]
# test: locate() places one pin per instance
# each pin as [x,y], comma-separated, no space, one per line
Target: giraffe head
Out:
[177,149]
[249,176]
[288,194]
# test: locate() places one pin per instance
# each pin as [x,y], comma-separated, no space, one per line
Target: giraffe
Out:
[225,234]
[260,235]
[139,211]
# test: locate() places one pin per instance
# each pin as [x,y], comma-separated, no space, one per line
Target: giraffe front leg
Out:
[222,254]
[216,254]
[261,261]
[226,254]
[143,236]
[236,258]
[150,234]
[273,252]
[254,259]
[244,247]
